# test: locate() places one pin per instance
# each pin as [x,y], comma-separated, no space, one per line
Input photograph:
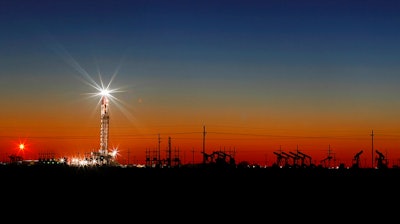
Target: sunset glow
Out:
[250,79]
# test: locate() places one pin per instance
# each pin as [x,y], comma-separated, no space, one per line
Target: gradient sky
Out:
[259,75]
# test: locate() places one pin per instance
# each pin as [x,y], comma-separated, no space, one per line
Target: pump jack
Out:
[356,160]
[304,157]
[281,160]
[381,161]
[294,160]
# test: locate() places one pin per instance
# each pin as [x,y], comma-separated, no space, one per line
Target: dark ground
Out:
[204,193]
[209,177]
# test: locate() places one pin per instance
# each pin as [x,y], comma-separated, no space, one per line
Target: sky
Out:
[258,76]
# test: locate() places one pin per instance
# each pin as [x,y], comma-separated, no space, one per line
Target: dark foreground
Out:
[224,193]
[203,176]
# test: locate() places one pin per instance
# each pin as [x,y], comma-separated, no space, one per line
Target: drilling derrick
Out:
[105,119]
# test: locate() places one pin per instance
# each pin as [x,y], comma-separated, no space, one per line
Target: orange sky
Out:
[250,140]
[249,131]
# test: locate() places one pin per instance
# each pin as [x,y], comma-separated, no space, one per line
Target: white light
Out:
[105,92]
[114,152]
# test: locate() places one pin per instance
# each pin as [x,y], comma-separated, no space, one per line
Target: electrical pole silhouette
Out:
[193,156]
[204,144]
[169,152]
[372,149]
[159,150]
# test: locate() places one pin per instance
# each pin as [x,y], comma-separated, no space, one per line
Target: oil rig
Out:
[103,156]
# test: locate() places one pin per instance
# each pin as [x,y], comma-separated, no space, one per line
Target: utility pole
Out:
[372,149]
[329,156]
[169,151]
[204,146]
[193,156]
[184,156]
[159,152]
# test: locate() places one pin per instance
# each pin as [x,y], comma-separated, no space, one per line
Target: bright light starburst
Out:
[105,92]
[102,90]
[114,152]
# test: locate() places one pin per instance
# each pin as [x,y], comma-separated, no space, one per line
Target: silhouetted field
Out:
[188,189]
[221,176]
